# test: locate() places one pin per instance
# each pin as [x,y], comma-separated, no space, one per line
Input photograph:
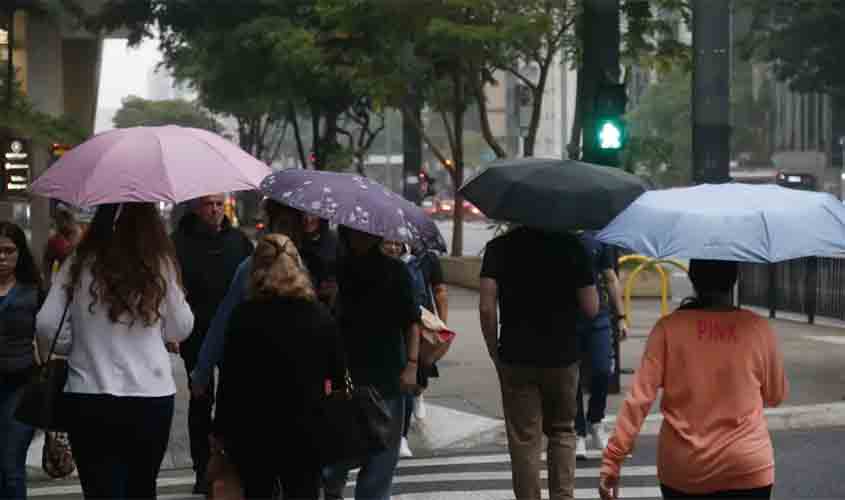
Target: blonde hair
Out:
[277,270]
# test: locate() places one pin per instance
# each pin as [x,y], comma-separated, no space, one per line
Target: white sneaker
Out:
[404,449]
[599,436]
[581,448]
[419,408]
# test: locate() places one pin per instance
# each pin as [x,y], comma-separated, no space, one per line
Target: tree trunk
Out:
[316,147]
[297,134]
[486,129]
[458,174]
[536,112]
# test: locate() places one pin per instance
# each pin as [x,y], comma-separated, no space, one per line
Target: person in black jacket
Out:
[209,250]
[20,298]
[282,349]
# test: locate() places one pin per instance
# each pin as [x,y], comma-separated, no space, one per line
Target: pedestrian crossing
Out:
[468,476]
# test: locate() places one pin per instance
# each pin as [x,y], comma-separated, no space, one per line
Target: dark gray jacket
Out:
[17,329]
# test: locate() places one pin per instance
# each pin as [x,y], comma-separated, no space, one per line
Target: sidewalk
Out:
[813,355]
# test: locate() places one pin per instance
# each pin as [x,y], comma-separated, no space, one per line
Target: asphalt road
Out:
[808,467]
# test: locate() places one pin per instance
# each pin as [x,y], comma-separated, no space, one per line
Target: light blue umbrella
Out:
[738,222]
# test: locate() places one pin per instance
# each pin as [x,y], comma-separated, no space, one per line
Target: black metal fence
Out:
[813,286]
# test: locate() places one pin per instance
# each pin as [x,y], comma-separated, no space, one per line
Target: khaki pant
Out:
[540,401]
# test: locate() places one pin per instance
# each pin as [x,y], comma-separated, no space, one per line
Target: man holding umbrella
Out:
[536,350]
[530,330]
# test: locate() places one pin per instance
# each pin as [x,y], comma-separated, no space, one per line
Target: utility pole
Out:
[599,26]
[711,130]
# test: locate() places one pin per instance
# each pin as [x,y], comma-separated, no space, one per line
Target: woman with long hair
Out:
[718,367]
[124,300]
[291,360]
[20,297]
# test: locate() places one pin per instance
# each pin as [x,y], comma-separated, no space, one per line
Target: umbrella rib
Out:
[768,237]
[105,153]
[170,182]
[222,156]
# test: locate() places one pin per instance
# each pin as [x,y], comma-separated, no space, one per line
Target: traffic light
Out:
[611,130]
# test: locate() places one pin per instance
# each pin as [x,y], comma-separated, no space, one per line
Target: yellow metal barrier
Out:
[645,263]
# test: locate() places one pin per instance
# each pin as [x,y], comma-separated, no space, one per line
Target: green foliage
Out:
[802,40]
[660,144]
[138,112]
[21,117]
[650,40]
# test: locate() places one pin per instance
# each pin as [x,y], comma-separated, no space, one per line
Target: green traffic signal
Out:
[610,135]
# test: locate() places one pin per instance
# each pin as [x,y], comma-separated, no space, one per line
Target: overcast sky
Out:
[124,71]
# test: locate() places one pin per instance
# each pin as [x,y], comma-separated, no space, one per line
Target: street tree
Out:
[442,53]
[138,112]
[261,62]
[536,35]
[802,41]
[660,147]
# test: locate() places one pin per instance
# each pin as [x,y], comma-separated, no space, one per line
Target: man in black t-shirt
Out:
[535,284]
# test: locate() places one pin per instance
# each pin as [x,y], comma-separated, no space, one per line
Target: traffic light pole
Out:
[711,129]
[601,37]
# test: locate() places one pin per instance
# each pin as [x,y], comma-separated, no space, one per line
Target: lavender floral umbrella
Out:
[355,202]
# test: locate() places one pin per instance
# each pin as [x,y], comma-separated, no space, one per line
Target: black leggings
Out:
[118,443]
[765,492]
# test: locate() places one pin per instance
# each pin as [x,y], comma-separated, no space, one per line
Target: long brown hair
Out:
[128,252]
[277,270]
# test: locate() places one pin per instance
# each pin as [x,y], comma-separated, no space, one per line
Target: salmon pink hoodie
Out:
[718,370]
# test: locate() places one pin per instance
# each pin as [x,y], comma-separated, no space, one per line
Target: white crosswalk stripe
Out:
[456,477]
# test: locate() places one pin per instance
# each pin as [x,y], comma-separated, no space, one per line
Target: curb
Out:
[788,418]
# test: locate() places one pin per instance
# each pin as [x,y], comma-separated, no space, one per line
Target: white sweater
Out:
[111,358]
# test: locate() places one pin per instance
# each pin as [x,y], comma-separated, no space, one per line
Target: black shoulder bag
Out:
[39,401]
[351,424]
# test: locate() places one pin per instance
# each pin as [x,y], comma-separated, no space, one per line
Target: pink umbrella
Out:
[149,164]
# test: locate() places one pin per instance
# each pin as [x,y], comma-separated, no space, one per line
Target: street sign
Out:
[16,167]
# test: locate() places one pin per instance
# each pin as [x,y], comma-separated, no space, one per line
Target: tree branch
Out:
[486,129]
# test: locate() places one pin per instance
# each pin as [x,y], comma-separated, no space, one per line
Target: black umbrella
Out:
[556,195]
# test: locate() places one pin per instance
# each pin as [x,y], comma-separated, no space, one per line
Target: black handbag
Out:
[351,424]
[39,403]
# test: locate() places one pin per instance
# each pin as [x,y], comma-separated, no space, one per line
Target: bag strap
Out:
[433,302]
[58,330]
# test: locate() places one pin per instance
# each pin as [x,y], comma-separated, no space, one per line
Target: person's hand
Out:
[623,330]
[408,379]
[172,347]
[608,488]
[199,391]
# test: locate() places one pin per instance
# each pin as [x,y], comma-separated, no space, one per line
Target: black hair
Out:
[711,279]
[26,270]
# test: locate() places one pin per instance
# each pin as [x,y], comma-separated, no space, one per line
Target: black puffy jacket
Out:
[208,261]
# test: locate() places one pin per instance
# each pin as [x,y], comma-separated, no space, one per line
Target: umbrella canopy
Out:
[555,195]
[355,202]
[738,222]
[150,164]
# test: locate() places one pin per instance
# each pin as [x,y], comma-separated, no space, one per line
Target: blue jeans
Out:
[15,438]
[596,343]
[375,479]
